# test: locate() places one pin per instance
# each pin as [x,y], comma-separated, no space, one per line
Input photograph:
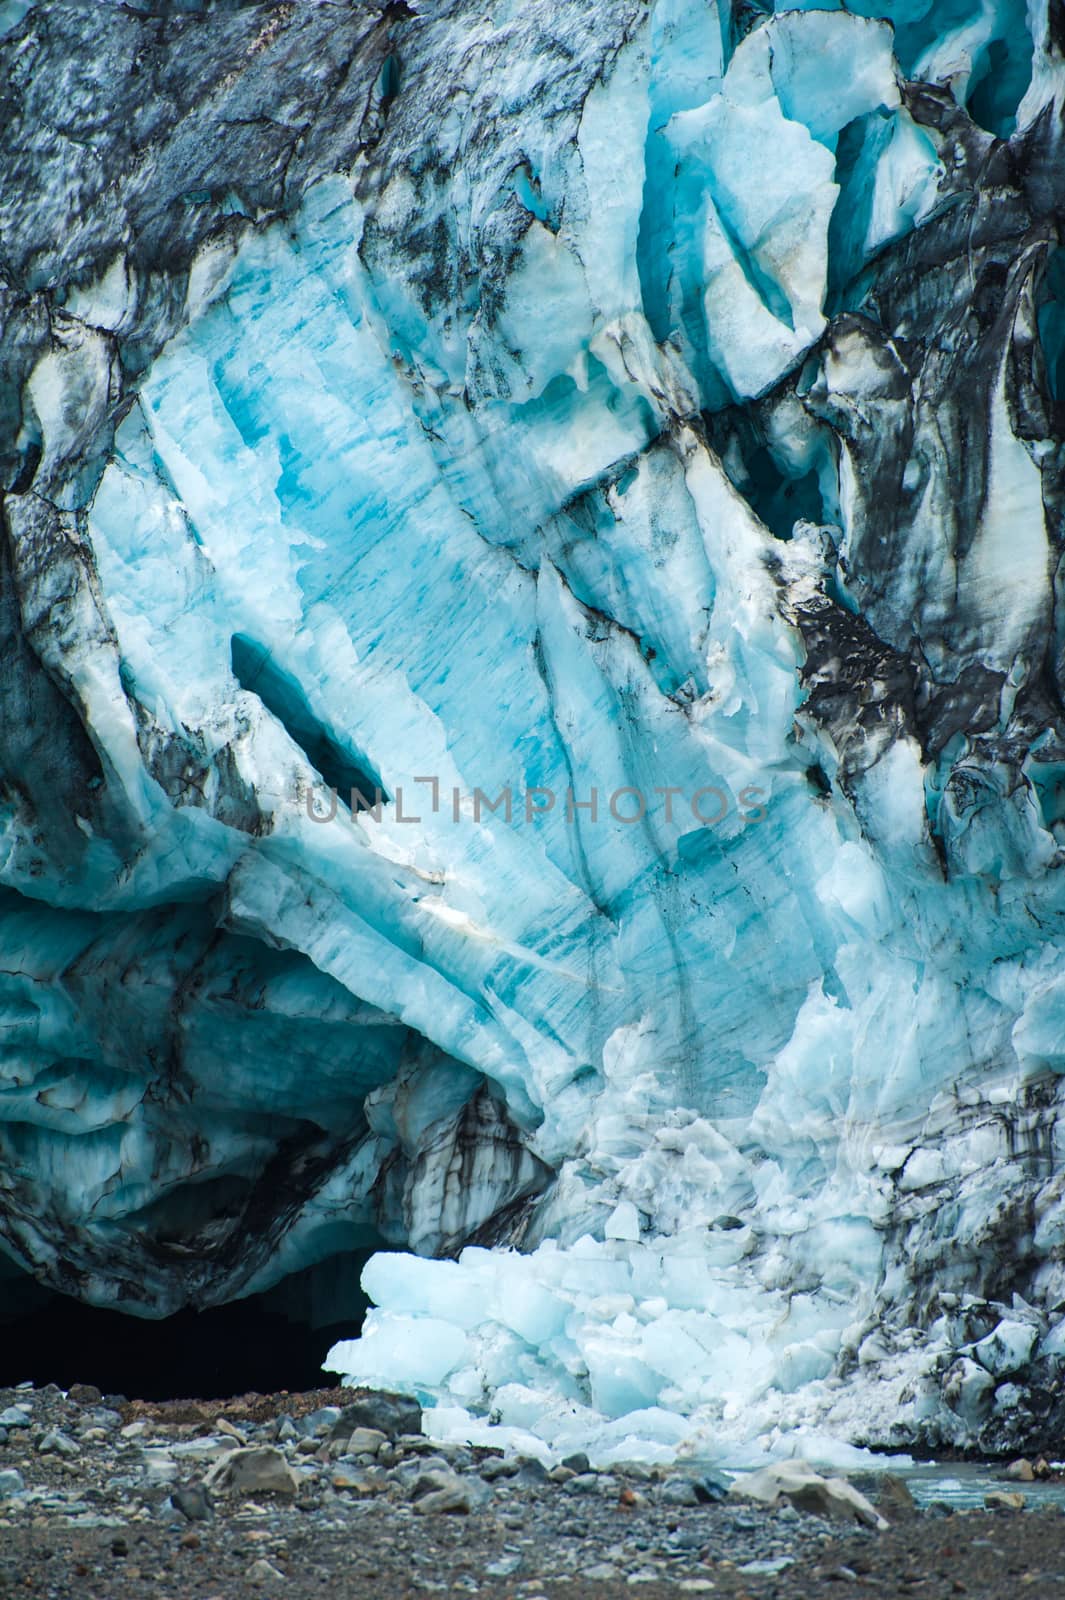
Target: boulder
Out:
[260,1469]
[797,1483]
[390,1414]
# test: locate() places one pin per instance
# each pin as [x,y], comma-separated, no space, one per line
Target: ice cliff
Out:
[531,723]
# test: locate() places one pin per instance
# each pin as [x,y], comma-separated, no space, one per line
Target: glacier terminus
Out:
[532,741]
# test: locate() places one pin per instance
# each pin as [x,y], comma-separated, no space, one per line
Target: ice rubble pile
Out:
[624,448]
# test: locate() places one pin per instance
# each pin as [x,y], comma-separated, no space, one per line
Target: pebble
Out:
[84,1394]
[505,1567]
[193,1501]
[225,1427]
[228,1489]
[263,1571]
[366,1441]
[348,1478]
[437,1491]
[579,1483]
[57,1443]
[678,1492]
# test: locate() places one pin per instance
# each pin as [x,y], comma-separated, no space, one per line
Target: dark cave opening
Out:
[265,1343]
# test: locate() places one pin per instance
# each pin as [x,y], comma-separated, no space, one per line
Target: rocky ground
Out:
[330,1494]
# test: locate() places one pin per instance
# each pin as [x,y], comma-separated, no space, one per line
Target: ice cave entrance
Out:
[265,1343]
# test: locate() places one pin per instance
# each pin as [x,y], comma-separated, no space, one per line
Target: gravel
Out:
[264,1495]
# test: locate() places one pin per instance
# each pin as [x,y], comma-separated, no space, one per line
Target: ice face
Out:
[532,734]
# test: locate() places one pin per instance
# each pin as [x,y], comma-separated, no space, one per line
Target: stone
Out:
[799,1484]
[600,1572]
[1020,1471]
[226,1428]
[15,1417]
[355,1480]
[695,1585]
[505,1567]
[1004,1500]
[579,1483]
[439,1491]
[84,1394]
[56,1443]
[264,1572]
[578,1462]
[678,1492]
[711,1489]
[497,1467]
[321,1422]
[11,1482]
[390,1414]
[894,1499]
[366,1441]
[258,1469]
[193,1500]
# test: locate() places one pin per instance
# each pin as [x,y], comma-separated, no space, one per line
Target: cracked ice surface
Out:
[606,402]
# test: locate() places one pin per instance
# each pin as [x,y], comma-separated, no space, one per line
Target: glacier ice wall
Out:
[531,697]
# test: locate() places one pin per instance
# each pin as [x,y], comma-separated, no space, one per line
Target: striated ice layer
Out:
[534,740]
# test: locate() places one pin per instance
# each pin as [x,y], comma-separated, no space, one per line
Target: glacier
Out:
[532,734]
